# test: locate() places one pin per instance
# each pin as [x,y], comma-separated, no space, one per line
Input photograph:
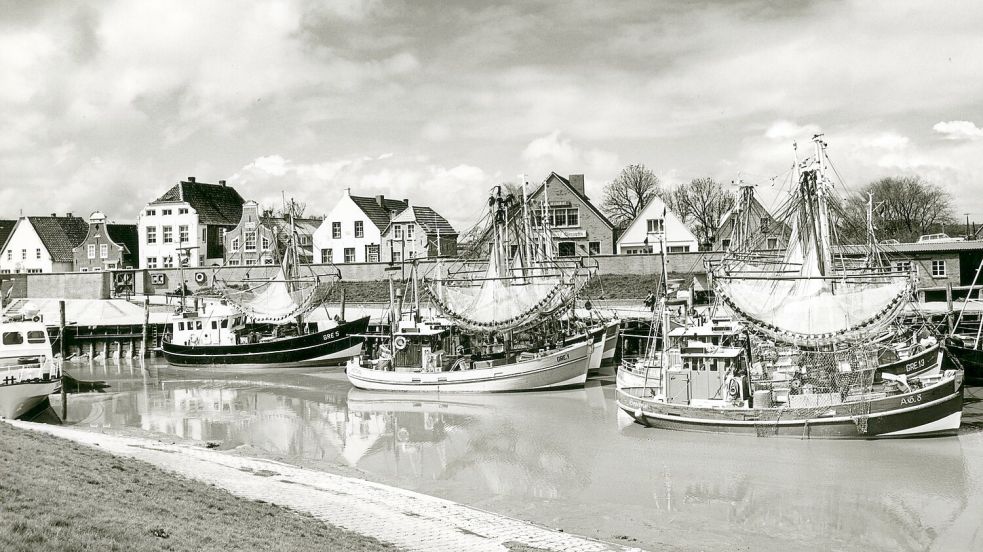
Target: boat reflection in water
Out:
[558,458]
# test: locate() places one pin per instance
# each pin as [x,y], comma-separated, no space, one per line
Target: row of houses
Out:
[203,224]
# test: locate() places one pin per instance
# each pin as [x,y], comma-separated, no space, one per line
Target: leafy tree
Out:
[627,195]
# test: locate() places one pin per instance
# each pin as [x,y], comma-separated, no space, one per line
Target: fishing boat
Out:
[808,362]
[496,307]
[260,323]
[28,371]
[963,345]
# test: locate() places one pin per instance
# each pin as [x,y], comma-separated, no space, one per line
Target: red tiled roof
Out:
[379,214]
[60,235]
[6,228]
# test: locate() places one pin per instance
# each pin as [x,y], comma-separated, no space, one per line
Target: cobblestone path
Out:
[407,519]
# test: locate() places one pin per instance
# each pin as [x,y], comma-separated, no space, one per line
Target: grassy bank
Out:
[59,495]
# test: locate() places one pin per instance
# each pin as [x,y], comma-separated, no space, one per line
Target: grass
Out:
[59,495]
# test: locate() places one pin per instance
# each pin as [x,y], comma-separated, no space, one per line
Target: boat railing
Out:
[32,371]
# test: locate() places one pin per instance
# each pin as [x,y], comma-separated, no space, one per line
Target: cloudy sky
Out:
[104,105]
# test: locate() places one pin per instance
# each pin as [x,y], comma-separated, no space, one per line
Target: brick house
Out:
[579,227]
[260,238]
[107,246]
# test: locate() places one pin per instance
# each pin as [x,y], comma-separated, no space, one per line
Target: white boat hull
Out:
[16,399]
[563,368]
[612,329]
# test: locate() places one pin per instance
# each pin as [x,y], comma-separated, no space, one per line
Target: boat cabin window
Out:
[12,338]
[180,326]
[225,323]
[198,325]
[214,324]
[35,336]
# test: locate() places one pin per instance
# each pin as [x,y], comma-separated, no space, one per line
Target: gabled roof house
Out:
[42,244]
[352,230]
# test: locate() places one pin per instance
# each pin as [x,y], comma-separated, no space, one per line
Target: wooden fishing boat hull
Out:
[565,367]
[933,410]
[596,337]
[325,348]
[16,399]
[928,361]
[611,331]
[968,359]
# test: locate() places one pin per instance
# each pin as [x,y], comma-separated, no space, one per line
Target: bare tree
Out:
[906,207]
[701,204]
[627,195]
[296,208]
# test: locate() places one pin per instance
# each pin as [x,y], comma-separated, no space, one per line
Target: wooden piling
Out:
[948,303]
[342,314]
[144,348]
[62,348]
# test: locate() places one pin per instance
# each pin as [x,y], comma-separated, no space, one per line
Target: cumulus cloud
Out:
[958,130]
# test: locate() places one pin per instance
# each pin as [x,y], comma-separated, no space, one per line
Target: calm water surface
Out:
[567,460]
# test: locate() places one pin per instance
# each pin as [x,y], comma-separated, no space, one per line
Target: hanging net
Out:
[276,299]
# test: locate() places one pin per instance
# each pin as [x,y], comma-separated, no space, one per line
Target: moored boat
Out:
[28,371]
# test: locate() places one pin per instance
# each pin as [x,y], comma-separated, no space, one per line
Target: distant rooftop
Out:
[215,203]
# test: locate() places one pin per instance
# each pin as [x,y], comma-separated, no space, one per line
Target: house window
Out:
[151,212]
[268,260]
[398,231]
[233,262]
[103,251]
[37,252]
[91,251]
[182,232]
[165,212]
[168,232]
[566,249]
[23,254]
[250,240]
[772,243]
[151,262]
[235,244]
[151,234]
[325,255]
[336,230]
[34,271]
[397,256]
[359,229]
[221,234]
[168,262]
[902,266]
[371,253]
[84,269]
[349,254]
[938,269]
[678,249]
[266,243]
[10,254]
[764,224]
[593,248]
[182,211]
[656,226]
[409,231]
[250,262]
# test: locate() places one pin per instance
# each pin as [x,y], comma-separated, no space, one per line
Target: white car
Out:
[938,238]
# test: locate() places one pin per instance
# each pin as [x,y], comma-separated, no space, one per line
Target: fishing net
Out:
[276,299]
[815,383]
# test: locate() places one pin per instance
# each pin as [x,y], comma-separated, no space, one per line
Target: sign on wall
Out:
[158,279]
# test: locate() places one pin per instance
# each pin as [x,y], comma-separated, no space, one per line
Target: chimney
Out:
[69,215]
[577,181]
[406,201]
[381,200]
[54,215]
[191,179]
[222,182]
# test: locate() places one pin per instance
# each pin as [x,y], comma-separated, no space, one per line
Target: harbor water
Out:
[567,459]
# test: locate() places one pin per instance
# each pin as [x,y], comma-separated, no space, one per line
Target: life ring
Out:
[200,278]
[734,388]
[37,318]
[399,343]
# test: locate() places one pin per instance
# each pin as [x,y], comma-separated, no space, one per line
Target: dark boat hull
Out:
[326,348]
[967,359]
[934,410]
[925,362]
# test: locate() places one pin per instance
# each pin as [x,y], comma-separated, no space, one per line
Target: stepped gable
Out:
[379,214]
[60,235]
[217,204]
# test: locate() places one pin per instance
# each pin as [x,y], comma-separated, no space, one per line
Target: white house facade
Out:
[42,244]
[352,231]
[653,226]
[192,215]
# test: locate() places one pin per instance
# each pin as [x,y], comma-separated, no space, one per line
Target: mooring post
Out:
[144,348]
[342,315]
[62,348]
[948,302]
